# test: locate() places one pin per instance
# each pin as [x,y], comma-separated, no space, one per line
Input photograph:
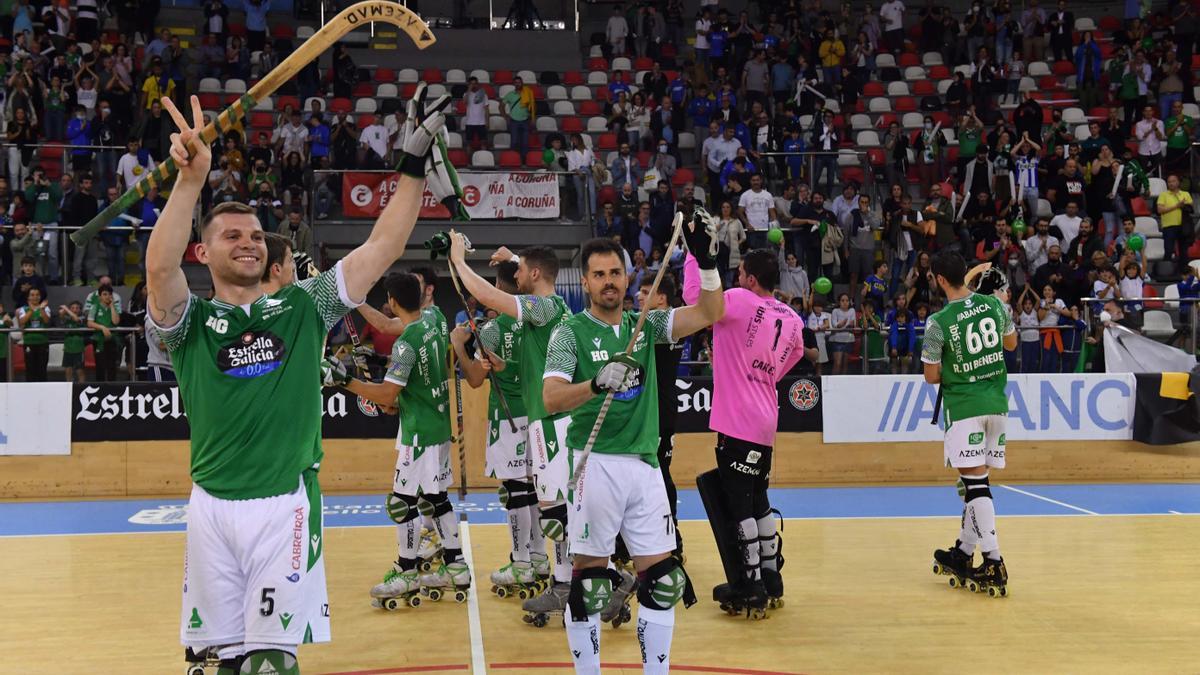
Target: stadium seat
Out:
[364,105]
[924,88]
[1084,24]
[341,105]
[597,64]
[1038,69]
[621,63]
[483,158]
[572,78]
[382,74]
[1156,324]
[860,121]
[483,76]
[879,104]
[1044,209]
[364,121]
[597,125]
[588,108]
[407,75]
[1146,226]
[643,63]
[556,93]
[497,123]
[595,50]
[914,73]
[262,120]
[1155,249]
[304,32]
[458,157]
[898,89]
[682,177]
[939,72]
[867,139]
[503,77]
[547,123]
[885,60]
[847,157]
[1139,207]
[456,76]
[510,159]
[533,158]
[501,141]
[527,76]
[1157,186]
[581,93]
[454,140]
[564,108]
[435,90]
[431,75]
[906,104]
[1149,291]
[607,142]
[931,59]
[209,101]
[873,89]
[387,90]
[908,60]
[281,29]
[572,125]
[913,120]
[596,79]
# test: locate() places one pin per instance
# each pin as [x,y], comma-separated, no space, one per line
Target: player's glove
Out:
[701,238]
[333,373]
[305,267]
[618,374]
[425,122]
[442,180]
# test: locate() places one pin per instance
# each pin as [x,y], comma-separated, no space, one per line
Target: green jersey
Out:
[966,337]
[103,316]
[39,318]
[438,320]
[418,364]
[251,384]
[74,343]
[1181,138]
[579,348]
[538,317]
[502,337]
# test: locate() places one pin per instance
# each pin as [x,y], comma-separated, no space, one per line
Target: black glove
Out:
[700,235]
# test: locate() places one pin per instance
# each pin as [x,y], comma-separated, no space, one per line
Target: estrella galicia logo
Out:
[294,577]
[634,390]
[255,353]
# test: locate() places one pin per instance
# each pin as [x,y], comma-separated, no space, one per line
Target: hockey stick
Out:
[462,436]
[479,341]
[354,16]
[676,232]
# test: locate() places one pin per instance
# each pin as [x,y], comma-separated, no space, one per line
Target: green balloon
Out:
[1136,242]
[774,235]
[1018,226]
[823,285]
[822,228]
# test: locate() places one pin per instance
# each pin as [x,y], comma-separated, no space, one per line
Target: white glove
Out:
[442,180]
[333,373]
[617,375]
[424,124]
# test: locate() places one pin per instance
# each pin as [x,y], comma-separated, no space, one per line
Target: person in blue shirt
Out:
[875,287]
[148,210]
[617,86]
[741,165]
[677,90]
[79,133]
[718,41]
[742,133]
[794,143]
[318,140]
[902,342]
[700,109]
[1189,287]
[782,78]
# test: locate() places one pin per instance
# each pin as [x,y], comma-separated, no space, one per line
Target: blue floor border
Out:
[130,516]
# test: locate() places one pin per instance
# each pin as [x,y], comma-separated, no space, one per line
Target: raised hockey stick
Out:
[676,232]
[354,16]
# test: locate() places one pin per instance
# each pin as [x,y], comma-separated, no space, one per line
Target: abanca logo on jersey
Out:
[255,353]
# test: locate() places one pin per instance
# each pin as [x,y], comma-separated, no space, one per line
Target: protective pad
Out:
[270,661]
[724,529]
[554,522]
[974,487]
[400,508]
[662,586]
[440,503]
[591,589]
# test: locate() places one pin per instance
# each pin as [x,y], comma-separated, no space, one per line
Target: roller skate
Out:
[398,587]
[541,567]
[773,584]
[517,579]
[748,599]
[454,576]
[953,563]
[617,610]
[991,577]
[539,609]
[430,552]
[199,663]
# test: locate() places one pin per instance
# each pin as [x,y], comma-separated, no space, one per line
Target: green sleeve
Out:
[489,335]
[173,338]
[561,358]
[328,291]
[404,357]
[931,352]
[538,310]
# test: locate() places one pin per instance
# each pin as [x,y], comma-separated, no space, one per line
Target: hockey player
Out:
[537,309]
[507,456]
[248,368]
[755,344]
[416,382]
[619,487]
[964,353]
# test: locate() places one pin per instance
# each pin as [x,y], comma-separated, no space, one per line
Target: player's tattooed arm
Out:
[484,292]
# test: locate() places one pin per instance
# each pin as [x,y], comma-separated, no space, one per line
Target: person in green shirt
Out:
[35,314]
[103,317]
[970,131]
[71,316]
[6,321]
[1180,129]
[874,342]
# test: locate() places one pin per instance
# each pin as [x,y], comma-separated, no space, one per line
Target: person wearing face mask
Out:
[664,162]
[927,146]
[79,134]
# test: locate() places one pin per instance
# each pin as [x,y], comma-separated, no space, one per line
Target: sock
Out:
[562,563]
[655,629]
[768,543]
[748,536]
[428,524]
[583,637]
[408,540]
[519,525]
[982,512]
[537,540]
[966,535]
[447,529]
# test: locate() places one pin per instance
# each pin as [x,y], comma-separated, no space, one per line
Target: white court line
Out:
[478,664]
[1174,512]
[1047,499]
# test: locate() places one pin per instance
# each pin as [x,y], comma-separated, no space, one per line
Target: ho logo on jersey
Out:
[255,353]
[804,395]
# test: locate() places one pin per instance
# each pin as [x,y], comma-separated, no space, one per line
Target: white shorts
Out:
[551,459]
[254,570]
[422,470]
[976,441]
[507,454]
[620,494]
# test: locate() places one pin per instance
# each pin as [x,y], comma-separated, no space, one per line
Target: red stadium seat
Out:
[431,75]
[886,120]
[939,72]
[239,29]
[283,29]
[210,101]
[459,158]
[643,63]
[571,125]
[683,177]
[338,105]
[1149,292]
[385,75]
[1109,24]
[905,104]
[924,88]
[607,142]
[262,120]
[282,102]
[875,156]
[1139,207]
[1049,83]
[873,89]
[853,173]
[943,117]
[588,108]
[407,90]
[533,158]
[363,90]
[597,64]
[643,158]
[503,77]
[669,51]
[908,59]
[573,78]
[606,195]
[460,107]
[363,121]
[510,159]
[1063,68]
[1099,112]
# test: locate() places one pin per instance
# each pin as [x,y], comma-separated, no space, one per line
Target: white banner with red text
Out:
[486,196]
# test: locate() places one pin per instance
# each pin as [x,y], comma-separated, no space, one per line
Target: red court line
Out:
[406,669]
[530,666]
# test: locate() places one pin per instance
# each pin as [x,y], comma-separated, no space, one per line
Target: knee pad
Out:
[270,661]
[553,521]
[516,494]
[662,586]
[974,487]
[591,589]
[400,508]
[434,505]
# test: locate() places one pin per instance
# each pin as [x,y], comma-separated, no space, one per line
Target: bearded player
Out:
[248,367]
[964,353]
[619,488]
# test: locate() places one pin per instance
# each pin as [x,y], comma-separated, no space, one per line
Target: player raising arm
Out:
[248,369]
[964,353]
[620,489]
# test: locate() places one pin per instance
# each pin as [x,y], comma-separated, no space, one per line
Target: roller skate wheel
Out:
[757,613]
[435,594]
[540,620]
[955,582]
[523,594]
[460,596]
[937,569]
[775,603]
[623,617]
[426,566]
[997,592]
[391,604]
[195,670]
[414,601]
[973,586]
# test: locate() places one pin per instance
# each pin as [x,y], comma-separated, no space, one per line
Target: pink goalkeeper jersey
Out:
[754,346]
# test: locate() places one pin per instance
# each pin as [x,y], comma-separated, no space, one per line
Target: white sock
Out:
[748,534]
[408,539]
[583,637]
[447,528]
[966,535]
[562,563]
[768,544]
[518,529]
[982,512]
[655,629]
[537,540]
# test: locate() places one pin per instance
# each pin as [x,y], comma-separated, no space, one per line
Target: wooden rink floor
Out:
[1093,590]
